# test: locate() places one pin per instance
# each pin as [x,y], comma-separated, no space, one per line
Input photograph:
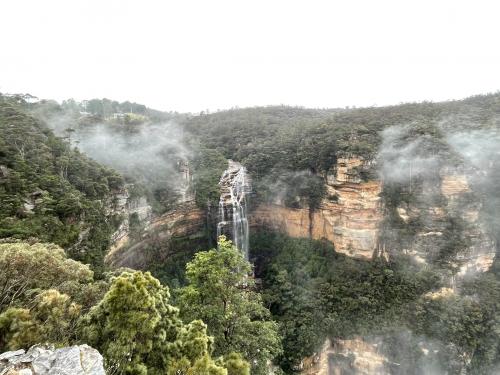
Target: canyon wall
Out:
[347,357]
[352,215]
[349,216]
[185,220]
[444,213]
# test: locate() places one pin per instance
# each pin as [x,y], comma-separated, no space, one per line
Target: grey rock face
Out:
[45,360]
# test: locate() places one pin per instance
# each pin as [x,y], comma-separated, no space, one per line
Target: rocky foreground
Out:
[46,360]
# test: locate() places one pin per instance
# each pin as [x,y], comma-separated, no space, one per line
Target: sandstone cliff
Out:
[349,216]
[458,206]
[352,216]
[186,220]
[354,357]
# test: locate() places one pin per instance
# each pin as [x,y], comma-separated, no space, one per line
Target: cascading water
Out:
[232,221]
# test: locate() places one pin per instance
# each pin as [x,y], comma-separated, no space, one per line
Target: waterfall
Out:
[232,219]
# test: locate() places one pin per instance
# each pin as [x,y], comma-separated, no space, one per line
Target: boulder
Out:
[46,360]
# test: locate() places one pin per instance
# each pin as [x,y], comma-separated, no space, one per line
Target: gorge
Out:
[373,233]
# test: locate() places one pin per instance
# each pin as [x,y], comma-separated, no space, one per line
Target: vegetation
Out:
[315,293]
[43,294]
[208,167]
[50,298]
[140,333]
[221,293]
[50,191]
[56,219]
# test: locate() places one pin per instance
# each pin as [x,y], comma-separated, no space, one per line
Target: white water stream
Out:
[232,220]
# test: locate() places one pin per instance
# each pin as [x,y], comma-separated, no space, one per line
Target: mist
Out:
[409,160]
[480,150]
[149,155]
[403,161]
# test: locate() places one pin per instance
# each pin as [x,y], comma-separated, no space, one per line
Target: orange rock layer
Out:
[350,221]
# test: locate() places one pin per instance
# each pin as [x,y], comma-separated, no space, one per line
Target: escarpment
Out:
[441,222]
[351,356]
[356,218]
[141,229]
[349,215]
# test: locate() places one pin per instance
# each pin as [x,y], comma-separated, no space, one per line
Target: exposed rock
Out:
[355,357]
[186,219]
[4,172]
[34,199]
[454,184]
[123,205]
[350,220]
[461,203]
[45,360]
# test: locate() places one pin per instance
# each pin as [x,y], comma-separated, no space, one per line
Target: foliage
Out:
[172,256]
[315,293]
[208,168]
[28,269]
[51,319]
[139,332]
[236,365]
[50,191]
[17,329]
[469,321]
[221,293]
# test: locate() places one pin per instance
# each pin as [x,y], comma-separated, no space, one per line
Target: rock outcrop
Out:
[349,216]
[45,360]
[124,206]
[457,206]
[354,357]
[186,220]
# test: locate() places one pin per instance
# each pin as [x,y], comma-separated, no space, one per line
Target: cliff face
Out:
[185,220]
[347,357]
[125,206]
[454,217]
[352,214]
[349,216]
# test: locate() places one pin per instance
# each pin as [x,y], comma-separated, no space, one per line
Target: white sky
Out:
[210,54]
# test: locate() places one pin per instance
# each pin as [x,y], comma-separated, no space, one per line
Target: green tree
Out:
[138,332]
[221,293]
[52,319]
[27,269]
[236,365]
[17,329]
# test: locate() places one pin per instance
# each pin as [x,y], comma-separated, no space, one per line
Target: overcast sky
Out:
[209,54]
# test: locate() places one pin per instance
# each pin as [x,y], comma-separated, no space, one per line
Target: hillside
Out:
[368,238]
[51,192]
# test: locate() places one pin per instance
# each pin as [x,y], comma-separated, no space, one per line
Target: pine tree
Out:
[221,293]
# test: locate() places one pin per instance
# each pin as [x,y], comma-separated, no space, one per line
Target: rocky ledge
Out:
[46,360]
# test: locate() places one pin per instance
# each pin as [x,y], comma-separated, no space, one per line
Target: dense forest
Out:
[212,311]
